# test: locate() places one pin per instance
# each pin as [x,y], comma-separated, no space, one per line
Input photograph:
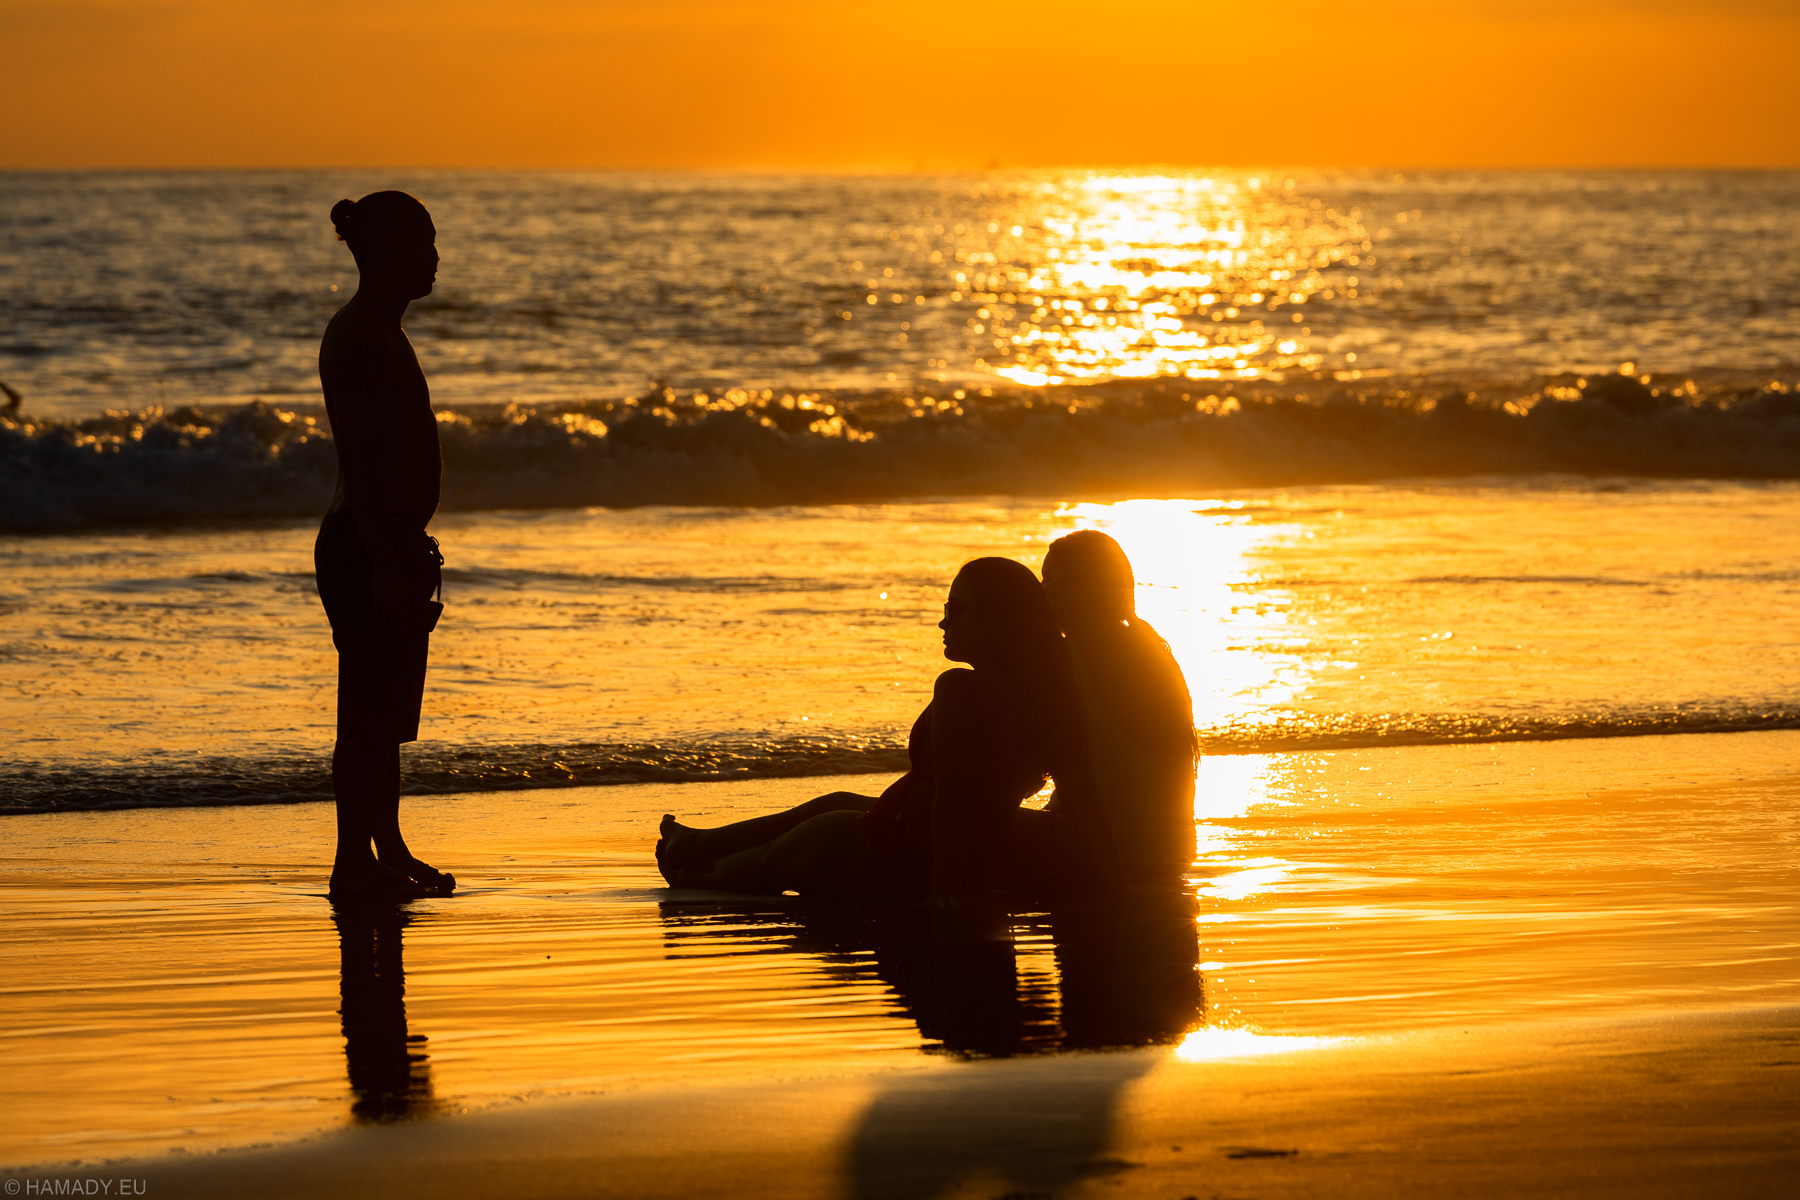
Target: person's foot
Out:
[372,881]
[670,856]
[392,852]
[675,841]
[440,883]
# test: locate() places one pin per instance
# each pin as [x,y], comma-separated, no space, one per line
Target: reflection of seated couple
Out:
[1064,682]
[1123,973]
[1123,976]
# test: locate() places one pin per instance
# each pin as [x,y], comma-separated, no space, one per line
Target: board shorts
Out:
[381,674]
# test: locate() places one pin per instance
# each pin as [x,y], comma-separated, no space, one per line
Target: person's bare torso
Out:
[380,411]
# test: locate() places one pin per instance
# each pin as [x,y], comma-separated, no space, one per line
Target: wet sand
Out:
[1564,966]
[1679,1107]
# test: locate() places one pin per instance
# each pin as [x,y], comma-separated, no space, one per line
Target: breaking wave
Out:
[27,787]
[765,448]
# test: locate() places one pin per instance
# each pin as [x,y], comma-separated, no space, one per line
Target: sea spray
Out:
[743,447]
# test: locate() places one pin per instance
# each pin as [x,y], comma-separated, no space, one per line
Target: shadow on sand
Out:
[1120,976]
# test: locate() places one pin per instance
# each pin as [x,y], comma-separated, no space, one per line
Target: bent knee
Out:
[842,867]
[820,852]
[819,832]
[843,802]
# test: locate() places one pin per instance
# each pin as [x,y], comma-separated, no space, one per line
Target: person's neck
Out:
[382,304]
[982,664]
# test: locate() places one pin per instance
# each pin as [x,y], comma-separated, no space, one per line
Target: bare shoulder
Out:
[971,732]
[960,692]
[954,684]
[348,327]
[351,346]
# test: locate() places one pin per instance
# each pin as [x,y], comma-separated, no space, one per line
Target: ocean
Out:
[128,289]
[1401,458]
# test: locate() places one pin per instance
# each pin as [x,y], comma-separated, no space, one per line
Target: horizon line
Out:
[923,170]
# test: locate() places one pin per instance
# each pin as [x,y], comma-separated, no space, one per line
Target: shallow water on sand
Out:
[601,645]
[173,978]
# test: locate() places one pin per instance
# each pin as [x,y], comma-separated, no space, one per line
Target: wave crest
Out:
[762,448]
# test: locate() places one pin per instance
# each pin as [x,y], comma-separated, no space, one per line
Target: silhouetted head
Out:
[393,240]
[1086,575]
[996,612]
[997,620]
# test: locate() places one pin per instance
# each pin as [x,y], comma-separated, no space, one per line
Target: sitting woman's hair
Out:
[1135,676]
[379,220]
[1029,650]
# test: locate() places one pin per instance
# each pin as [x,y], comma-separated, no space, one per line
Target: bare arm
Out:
[968,812]
[366,428]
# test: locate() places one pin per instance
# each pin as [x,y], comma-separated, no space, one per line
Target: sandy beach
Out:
[1689,1106]
[1559,969]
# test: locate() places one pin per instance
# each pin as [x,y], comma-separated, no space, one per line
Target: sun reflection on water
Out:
[1225,788]
[1211,1043]
[1247,878]
[1198,586]
[1136,276]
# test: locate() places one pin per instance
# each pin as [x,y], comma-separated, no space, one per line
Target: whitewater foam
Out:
[740,447]
[39,787]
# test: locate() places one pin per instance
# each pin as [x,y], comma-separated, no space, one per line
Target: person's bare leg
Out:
[741,872]
[390,847]
[359,780]
[683,847]
[826,854]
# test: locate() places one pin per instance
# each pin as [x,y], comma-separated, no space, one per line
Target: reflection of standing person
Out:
[390,1073]
[376,566]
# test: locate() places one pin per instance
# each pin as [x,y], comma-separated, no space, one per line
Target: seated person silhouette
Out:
[376,567]
[1137,711]
[990,736]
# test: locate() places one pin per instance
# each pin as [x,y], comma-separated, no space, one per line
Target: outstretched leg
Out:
[684,848]
[824,855]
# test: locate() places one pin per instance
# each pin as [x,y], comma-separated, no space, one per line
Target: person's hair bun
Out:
[341,212]
[381,220]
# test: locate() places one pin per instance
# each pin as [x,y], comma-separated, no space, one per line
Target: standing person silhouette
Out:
[377,568]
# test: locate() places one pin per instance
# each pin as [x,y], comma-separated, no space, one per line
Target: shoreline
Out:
[809,757]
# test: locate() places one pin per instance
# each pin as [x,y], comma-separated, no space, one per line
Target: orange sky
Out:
[933,84]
